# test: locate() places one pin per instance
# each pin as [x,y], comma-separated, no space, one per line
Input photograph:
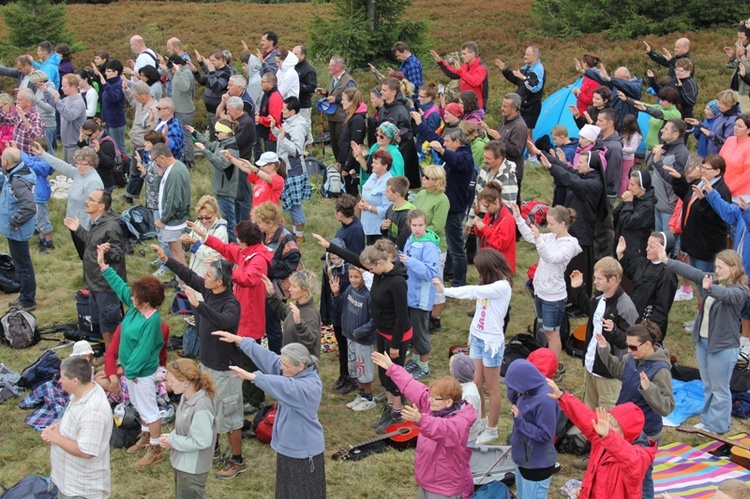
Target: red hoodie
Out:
[545,360]
[499,232]
[617,465]
[472,77]
[251,263]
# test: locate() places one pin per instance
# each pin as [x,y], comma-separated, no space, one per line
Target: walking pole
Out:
[323,132]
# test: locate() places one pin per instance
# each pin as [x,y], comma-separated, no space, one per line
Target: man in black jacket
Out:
[104,229]
[681,51]
[308,82]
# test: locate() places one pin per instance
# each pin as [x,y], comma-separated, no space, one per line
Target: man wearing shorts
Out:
[219,311]
[104,304]
[174,199]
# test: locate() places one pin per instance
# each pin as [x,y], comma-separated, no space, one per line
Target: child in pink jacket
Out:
[441,464]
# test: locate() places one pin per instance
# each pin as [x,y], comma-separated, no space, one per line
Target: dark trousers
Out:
[335,128]
[343,351]
[454,237]
[273,330]
[19,252]
[251,394]
[604,233]
[79,244]
[243,203]
[135,180]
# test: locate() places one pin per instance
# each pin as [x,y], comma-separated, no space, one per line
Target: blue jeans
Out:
[661,220]
[273,329]
[19,252]
[49,135]
[454,238]
[118,134]
[297,214]
[703,265]
[226,208]
[648,481]
[716,372]
[531,490]
[550,312]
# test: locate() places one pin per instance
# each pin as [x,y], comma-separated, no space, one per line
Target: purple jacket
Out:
[441,464]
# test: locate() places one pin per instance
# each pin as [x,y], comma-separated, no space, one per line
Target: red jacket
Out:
[251,263]
[110,355]
[586,95]
[472,77]
[617,465]
[275,103]
[499,233]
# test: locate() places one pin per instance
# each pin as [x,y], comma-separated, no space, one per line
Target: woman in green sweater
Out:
[140,344]
[660,113]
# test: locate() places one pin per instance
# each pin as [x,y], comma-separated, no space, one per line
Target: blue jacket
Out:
[631,88]
[17,205]
[734,216]
[353,235]
[297,432]
[50,68]
[113,103]
[702,139]
[42,191]
[721,129]
[532,439]
[422,267]
[353,306]
[459,170]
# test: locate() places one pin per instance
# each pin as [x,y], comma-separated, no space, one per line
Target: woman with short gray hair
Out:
[291,378]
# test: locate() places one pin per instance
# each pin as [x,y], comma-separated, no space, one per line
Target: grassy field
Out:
[502,29]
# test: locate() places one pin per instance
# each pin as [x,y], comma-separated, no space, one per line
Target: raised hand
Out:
[500,64]
[270,290]
[196,229]
[648,47]
[435,55]
[321,240]
[411,413]
[438,285]
[227,337]
[649,73]
[645,382]
[556,392]
[381,360]
[698,192]
[576,279]
[601,426]
[71,223]
[160,253]
[601,341]
[708,281]
[621,246]
[335,286]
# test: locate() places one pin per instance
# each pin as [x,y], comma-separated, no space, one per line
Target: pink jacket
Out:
[441,464]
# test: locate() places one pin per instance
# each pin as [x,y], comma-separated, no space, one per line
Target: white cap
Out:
[82,348]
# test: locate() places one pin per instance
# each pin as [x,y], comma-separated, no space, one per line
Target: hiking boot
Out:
[142,443]
[558,377]
[581,464]
[127,199]
[300,239]
[392,418]
[153,455]
[420,373]
[339,384]
[434,326]
[348,387]
[383,416]
[561,368]
[232,469]
[249,409]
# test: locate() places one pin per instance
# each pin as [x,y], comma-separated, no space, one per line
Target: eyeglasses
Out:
[436,399]
[634,348]
[205,218]
[706,168]
[161,108]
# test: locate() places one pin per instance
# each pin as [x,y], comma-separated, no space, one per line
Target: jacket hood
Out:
[523,377]
[253,66]
[22,170]
[261,250]
[327,256]
[289,63]
[361,109]
[429,236]
[628,415]
[398,270]
[545,360]
[108,216]
[477,114]
[660,354]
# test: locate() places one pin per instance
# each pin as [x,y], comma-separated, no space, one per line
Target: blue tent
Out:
[555,112]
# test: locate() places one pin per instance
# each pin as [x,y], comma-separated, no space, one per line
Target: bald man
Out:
[145,56]
[17,214]
[668,60]
[622,81]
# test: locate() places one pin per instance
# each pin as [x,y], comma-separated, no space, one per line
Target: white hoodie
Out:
[288,79]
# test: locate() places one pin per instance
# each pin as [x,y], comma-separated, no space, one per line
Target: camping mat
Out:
[691,472]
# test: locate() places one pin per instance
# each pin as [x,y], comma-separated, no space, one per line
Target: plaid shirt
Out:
[175,136]
[21,136]
[53,400]
[412,70]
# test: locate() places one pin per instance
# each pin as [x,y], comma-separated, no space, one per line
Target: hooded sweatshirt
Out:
[17,205]
[532,438]
[288,78]
[253,79]
[617,463]
[388,305]
[224,175]
[422,267]
[353,307]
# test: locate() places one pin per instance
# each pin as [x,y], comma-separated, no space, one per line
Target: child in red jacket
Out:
[497,229]
[620,452]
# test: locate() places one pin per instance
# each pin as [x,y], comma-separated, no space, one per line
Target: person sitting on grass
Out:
[443,418]
[620,451]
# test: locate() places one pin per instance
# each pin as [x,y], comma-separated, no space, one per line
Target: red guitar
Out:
[401,435]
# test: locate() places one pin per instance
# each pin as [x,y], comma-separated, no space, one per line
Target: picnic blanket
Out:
[691,472]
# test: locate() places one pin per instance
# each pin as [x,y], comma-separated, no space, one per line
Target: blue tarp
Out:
[555,112]
[689,400]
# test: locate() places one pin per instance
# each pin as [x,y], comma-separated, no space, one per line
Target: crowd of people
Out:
[429,188]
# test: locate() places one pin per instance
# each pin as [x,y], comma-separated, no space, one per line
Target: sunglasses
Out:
[205,218]
[634,348]
[176,367]
[427,177]
[380,136]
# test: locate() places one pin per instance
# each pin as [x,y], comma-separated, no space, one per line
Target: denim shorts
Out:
[477,352]
[551,313]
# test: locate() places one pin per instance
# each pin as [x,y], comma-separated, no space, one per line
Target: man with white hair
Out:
[25,119]
[139,96]
[237,87]
[340,81]
[681,51]
[245,137]
[163,120]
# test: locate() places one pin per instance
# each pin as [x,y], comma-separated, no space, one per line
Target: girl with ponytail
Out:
[496,230]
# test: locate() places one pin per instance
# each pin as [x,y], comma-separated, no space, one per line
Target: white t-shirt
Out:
[597,321]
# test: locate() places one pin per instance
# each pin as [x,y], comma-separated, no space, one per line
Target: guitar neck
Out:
[715,436]
[376,439]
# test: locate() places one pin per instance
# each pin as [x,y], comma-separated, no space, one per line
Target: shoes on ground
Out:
[487,436]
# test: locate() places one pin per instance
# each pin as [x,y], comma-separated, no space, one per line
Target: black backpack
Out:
[19,329]
[10,282]
[43,369]
[518,347]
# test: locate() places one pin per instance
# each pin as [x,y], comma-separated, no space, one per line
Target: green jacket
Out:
[140,337]
[175,201]
[659,117]
[436,206]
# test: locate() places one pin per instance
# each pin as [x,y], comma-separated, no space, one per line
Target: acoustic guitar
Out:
[739,453]
[401,435]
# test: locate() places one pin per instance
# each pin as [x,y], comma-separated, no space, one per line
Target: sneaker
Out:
[348,387]
[411,366]
[355,401]
[420,373]
[434,326]
[680,295]
[364,405]
[156,262]
[153,455]
[699,426]
[217,452]
[689,324]
[249,409]
[744,345]
[383,416]
[558,377]
[14,304]
[128,199]
[160,272]
[231,470]
[339,384]
[471,313]
[482,425]
[391,418]
[581,464]
[561,368]
[142,443]
[487,436]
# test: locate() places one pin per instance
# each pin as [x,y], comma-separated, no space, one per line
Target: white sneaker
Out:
[744,345]
[355,401]
[160,272]
[487,436]
[680,295]
[364,405]
[482,425]
[699,426]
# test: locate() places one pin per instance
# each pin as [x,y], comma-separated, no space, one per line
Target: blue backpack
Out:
[492,490]
[140,222]
[30,487]
[45,368]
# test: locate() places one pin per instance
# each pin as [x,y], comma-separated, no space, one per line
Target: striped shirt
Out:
[506,175]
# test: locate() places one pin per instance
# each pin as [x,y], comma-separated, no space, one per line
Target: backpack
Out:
[493,490]
[122,163]
[43,369]
[140,222]
[535,212]
[263,423]
[519,347]
[19,329]
[30,487]
[191,345]
[333,184]
[127,426]
[10,282]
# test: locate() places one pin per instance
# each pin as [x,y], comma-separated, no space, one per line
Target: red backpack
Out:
[263,423]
